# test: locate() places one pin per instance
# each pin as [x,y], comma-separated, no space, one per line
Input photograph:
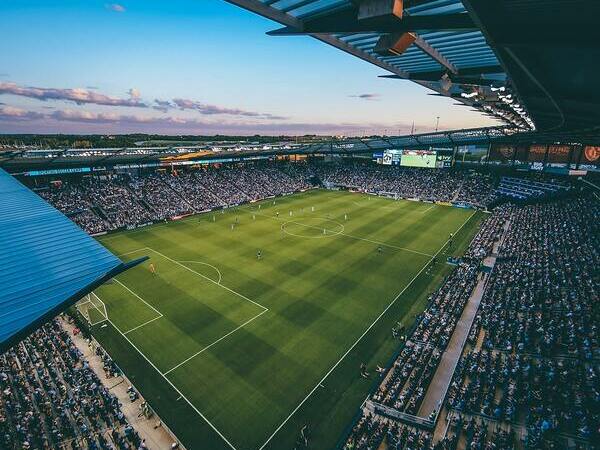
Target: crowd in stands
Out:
[548,394]
[544,292]
[113,202]
[116,201]
[422,183]
[164,202]
[110,202]
[529,376]
[537,327]
[370,432]
[51,399]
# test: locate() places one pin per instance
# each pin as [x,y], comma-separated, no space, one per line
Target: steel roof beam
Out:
[436,55]
[346,22]
[436,75]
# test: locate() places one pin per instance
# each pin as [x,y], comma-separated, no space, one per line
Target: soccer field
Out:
[236,351]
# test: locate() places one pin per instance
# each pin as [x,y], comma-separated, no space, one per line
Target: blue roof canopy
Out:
[47,262]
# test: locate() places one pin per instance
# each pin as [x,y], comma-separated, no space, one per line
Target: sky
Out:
[199,67]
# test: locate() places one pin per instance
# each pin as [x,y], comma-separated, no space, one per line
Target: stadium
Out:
[428,290]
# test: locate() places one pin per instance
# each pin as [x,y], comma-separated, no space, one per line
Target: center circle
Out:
[312,227]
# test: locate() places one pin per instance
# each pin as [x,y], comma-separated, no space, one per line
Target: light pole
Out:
[437,123]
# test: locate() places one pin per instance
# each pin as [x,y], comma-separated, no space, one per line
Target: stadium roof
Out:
[530,63]
[27,161]
[48,263]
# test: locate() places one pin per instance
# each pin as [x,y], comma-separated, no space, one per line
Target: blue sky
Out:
[193,67]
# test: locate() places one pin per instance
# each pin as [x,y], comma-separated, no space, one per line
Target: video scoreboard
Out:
[433,159]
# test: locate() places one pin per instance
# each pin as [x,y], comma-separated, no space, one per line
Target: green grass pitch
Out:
[238,351]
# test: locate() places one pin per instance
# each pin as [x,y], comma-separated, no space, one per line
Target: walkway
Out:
[438,387]
[152,430]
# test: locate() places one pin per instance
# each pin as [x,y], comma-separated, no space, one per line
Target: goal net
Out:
[92,309]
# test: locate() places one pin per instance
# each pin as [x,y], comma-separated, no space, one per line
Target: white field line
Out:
[360,337]
[214,343]
[93,306]
[205,264]
[209,279]
[174,387]
[388,245]
[143,324]
[349,235]
[132,251]
[430,208]
[140,298]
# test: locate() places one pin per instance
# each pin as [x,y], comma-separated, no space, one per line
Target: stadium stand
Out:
[109,203]
[530,189]
[51,398]
[528,376]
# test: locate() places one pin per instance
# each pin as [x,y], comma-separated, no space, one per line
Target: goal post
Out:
[92,309]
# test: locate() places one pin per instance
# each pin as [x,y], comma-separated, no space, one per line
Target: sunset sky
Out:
[192,67]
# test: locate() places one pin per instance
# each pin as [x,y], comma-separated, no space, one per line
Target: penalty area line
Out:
[140,298]
[205,264]
[143,324]
[132,251]
[209,279]
[214,343]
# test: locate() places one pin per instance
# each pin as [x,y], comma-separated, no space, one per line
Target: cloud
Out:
[82,96]
[12,113]
[14,120]
[163,105]
[115,7]
[211,110]
[366,96]
[134,93]
[79,96]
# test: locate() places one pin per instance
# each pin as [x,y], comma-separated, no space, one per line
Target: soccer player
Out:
[380,249]
[277,213]
[345,216]
[152,269]
[258,255]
